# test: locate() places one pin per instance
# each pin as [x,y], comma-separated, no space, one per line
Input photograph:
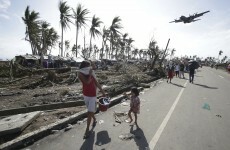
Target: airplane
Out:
[189,19]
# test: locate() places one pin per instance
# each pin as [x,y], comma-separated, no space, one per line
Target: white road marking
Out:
[221,76]
[157,135]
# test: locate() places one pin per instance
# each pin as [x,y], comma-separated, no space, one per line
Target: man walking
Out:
[181,70]
[191,72]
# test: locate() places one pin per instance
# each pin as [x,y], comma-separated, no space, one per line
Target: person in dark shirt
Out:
[191,72]
[181,70]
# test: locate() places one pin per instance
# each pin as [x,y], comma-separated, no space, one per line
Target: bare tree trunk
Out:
[163,57]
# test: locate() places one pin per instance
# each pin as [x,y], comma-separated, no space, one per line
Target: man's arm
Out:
[99,86]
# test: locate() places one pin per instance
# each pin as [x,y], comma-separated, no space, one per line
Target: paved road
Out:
[173,117]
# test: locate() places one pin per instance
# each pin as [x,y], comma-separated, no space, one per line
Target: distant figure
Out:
[177,69]
[90,84]
[191,72]
[228,67]
[170,70]
[134,105]
[181,73]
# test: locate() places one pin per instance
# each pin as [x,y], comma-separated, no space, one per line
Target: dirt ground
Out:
[49,88]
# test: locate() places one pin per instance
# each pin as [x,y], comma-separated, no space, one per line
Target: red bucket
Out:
[104,103]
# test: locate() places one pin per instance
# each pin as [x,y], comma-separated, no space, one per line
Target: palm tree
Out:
[129,42]
[51,38]
[194,56]
[154,52]
[141,52]
[66,47]
[114,31]
[135,52]
[106,50]
[145,54]
[224,59]
[123,44]
[172,53]
[48,39]
[105,36]
[220,53]
[44,26]
[94,31]
[64,19]
[73,50]
[80,19]
[32,27]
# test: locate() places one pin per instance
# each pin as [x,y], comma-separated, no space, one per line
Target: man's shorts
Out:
[91,103]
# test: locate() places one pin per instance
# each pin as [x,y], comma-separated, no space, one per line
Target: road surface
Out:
[177,116]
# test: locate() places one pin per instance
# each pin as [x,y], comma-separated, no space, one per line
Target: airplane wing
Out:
[195,20]
[200,14]
[176,21]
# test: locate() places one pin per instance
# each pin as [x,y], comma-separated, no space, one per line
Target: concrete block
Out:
[17,123]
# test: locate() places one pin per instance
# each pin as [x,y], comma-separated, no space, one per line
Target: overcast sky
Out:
[141,19]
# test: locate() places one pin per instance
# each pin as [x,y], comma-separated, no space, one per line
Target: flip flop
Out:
[128,121]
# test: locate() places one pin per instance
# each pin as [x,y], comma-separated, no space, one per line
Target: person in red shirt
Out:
[89,85]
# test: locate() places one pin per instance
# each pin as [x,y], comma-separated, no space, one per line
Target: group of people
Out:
[90,84]
[178,70]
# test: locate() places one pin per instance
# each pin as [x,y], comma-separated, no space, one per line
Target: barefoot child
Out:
[134,105]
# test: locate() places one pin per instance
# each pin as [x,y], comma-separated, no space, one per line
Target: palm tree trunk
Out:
[154,61]
[110,49]
[62,41]
[31,44]
[76,38]
[90,46]
[84,39]
[102,49]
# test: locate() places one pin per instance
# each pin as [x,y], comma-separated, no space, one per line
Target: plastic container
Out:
[104,103]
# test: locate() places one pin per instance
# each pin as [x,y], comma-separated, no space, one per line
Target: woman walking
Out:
[89,85]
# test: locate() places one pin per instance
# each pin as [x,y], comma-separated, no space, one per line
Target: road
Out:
[173,117]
